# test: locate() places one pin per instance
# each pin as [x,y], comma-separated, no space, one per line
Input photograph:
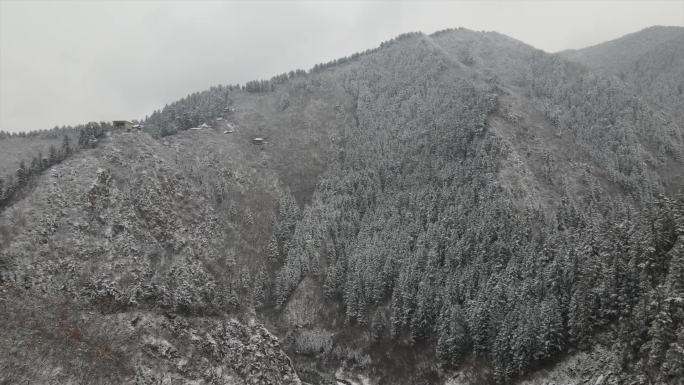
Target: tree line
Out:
[11,186]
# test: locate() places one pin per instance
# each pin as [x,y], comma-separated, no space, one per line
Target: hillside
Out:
[454,205]
[476,174]
[116,239]
[619,54]
[651,60]
[81,345]
[14,149]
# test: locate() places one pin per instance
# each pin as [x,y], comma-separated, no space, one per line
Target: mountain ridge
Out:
[459,194]
[650,61]
[654,35]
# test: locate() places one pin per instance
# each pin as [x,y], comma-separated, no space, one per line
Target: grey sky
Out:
[69,62]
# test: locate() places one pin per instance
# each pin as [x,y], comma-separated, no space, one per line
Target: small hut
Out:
[122,124]
[258,140]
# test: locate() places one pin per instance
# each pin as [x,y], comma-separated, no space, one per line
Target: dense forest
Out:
[414,231]
[461,195]
[650,61]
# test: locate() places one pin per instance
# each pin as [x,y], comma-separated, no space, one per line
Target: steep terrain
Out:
[651,61]
[457,206]
[115,270]
[15,148]
[477,181]
[52,341]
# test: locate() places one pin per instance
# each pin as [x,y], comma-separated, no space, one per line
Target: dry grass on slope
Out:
[50,341]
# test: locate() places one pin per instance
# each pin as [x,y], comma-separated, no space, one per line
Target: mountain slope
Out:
[80,345]
[126,260]
[651,60]
[619,54]
[477,172]
[457,201]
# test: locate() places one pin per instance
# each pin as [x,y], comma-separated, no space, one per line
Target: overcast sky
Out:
[70,62]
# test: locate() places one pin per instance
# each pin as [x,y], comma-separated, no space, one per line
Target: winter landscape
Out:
[452,206]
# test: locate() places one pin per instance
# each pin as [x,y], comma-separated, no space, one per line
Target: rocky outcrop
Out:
[210,351]
[594,367]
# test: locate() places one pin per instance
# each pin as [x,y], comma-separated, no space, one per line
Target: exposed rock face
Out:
[594,367]
[210,351]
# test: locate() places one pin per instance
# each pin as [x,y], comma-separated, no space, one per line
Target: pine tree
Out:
[452,336]
[35,167]
[660,333]
[248,217]
[53,157]
[10,188]
[272,252]
[551,330]
[673,365]
[422,320]
[66,146]
[41,161]
[82,139]
[258,294]
[674,281]
[22,175]
[245,279]
[286,220]
[378,325]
